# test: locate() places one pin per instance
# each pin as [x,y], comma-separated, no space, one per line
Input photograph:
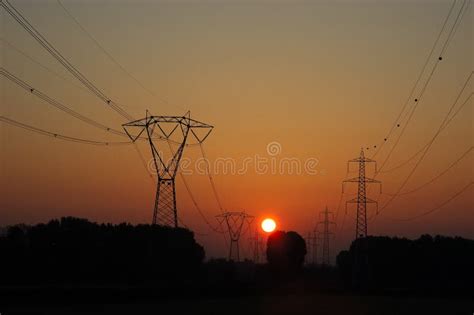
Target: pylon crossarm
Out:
[133,138]
[143,122]
[191,123]
[356,200]
[357,179]
[167,135]
[372,181]
[359,160]
[199,140]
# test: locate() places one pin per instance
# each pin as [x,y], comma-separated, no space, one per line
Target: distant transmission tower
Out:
[174,129]
[234,223]
[326,234]
[257,246]
[312,247]
[361,199]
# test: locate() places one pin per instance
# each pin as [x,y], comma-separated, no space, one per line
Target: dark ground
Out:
[143,301]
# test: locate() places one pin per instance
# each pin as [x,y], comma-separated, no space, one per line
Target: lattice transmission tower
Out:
[326,224]
[312,244]
[174,130]
[234,223]
[257,246]
[361,200]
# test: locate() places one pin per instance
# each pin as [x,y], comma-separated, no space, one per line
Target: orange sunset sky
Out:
[320,78]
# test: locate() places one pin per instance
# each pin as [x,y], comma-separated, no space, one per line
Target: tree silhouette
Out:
[436,263]
[73,250]
[285,251]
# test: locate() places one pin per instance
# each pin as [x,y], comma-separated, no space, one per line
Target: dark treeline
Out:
[435,263]
[73,250]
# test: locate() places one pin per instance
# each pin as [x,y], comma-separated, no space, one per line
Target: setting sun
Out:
[268,225]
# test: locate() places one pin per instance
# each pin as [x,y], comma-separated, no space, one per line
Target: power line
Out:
[211,179]
[417,100]
[417,80]
[426,145]
[105,51]
[57,104]
[193,199]
[437,176]
[8,75]
[111,57]
[455,26]
[198,208]
[457,194]
[63,78]
[410,116]
[61,59]
[181,222]
[429,144]
[142,159]
[57,135]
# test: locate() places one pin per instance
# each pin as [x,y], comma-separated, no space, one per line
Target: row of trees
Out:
[76,251]
[73,250]
[438,263]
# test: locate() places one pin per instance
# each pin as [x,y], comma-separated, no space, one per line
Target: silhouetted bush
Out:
[438,263]
[74,250]
[286,251]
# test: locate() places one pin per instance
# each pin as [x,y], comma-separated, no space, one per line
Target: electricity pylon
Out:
[362,200]
[326,234]
[234,222]
[256,244]
[165,212]
[312,246]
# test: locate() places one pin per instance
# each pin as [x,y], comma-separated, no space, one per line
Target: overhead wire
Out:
[58,135]
[101,47]
[441,205]
[453,164]
[423,69]
[424,147]
[452,31]
[211,179]
[49,70]
[193,199]
[440,128]
[13,12]
[110,56]
[409,114]
[455,26]
[57,104]
[418,99]
[8,75]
